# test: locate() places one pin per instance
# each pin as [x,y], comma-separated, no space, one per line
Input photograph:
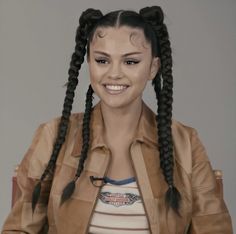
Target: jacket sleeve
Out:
[21,219]
[209,211]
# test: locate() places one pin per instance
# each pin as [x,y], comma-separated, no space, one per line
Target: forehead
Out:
[121,38]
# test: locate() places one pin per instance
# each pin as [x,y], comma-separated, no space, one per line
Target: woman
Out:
[119,167]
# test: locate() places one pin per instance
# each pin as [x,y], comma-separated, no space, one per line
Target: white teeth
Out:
[116,87]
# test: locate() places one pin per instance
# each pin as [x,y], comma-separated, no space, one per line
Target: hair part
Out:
[119,18]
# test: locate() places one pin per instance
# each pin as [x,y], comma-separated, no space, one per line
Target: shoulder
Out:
[47,131]
[51,126]
[74,117]
[182,128]
[184,134]
[188,146]
[39,152]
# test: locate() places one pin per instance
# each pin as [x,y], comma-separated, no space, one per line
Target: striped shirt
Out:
[119,209]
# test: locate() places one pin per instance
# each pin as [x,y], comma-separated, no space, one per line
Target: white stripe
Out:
[94,230]
[119,221]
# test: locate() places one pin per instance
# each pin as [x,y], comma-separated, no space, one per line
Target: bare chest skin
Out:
[120,167]
[120,130]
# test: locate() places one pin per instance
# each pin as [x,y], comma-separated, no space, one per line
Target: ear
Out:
[155,65]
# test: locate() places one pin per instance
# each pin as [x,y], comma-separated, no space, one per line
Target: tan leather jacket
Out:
[203,209]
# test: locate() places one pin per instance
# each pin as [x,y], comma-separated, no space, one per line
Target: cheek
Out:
[138,75]
[95,73]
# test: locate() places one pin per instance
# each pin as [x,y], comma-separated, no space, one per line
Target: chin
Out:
[120,104]
[113,104]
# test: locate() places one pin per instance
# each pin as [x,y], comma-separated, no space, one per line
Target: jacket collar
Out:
[145,133]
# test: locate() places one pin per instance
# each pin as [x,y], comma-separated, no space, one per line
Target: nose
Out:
[115,71]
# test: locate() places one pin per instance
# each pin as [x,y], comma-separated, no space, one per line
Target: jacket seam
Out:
[202,188]
[225,212]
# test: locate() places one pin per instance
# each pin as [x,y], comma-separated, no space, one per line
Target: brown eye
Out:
[101,61]
[132,62]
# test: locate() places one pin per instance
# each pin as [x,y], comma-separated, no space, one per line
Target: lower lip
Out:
[115,92]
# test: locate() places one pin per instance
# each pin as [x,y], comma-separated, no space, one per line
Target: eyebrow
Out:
[124,55]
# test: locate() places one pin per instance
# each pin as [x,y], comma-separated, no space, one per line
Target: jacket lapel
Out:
[146,162]
[144,157]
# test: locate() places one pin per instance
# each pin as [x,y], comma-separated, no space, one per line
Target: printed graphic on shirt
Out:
[119,199]
[122,205]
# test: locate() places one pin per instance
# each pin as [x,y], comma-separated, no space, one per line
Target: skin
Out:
[116,68]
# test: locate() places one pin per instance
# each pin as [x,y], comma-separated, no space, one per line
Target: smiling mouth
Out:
[115,89]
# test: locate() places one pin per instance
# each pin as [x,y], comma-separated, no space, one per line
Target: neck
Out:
[121,122]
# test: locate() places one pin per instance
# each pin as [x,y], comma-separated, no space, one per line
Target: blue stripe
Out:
[119,182]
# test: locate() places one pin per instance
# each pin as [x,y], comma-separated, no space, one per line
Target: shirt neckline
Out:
[119,182]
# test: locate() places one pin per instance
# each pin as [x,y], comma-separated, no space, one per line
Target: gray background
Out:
[37,40]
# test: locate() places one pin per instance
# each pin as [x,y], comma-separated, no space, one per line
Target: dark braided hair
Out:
[150,20]
[69,189]
[154,16]
[86,22]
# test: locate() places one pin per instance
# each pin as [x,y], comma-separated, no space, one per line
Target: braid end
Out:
[36,195]
[68,191]
[173,199]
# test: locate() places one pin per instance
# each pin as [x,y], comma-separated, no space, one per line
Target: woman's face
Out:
[120,64]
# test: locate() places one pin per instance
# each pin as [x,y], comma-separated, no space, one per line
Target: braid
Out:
[86,22]
[164,95]
[69,189]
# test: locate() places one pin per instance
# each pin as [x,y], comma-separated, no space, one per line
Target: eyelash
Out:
[133,62]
